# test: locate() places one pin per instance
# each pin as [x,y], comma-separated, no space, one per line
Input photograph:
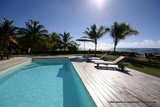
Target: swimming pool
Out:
[44,83]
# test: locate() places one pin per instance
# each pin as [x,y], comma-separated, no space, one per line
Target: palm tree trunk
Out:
[114,49]
[95,47]
[65,48]
[115,44]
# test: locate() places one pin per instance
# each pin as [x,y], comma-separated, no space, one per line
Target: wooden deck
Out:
[111,88]
[5,64]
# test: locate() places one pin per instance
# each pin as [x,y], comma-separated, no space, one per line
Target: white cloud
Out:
[122,44]
[140,44]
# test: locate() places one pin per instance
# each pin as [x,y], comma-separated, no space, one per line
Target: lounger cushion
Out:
[103,62]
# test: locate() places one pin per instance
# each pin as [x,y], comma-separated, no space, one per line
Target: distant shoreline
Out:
[140,50]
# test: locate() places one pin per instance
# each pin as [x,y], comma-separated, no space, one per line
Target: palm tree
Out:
[55,40]
[33,34]
[119,31]
[73,46]
[65,40]
[7,34]
[95,33]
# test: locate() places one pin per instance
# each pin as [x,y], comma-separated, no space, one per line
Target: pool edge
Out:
[83,84]
[8,70]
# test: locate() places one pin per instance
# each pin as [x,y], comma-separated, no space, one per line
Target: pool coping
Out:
[13,63]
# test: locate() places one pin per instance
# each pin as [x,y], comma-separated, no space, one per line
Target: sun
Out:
[99,3]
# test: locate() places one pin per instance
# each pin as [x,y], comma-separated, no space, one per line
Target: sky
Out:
[74,16]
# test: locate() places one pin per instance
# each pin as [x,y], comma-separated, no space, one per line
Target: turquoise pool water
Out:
[44,83]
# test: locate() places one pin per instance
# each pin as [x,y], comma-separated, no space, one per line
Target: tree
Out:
[94,33]
[7,34]
[73,46]
[33,34]
[65,40]
[55,40]
[120,31]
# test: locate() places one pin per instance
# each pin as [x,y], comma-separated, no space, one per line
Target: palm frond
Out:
[7,32]
[119,31]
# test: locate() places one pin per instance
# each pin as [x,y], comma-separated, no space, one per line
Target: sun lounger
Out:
[118,62]
[89,59]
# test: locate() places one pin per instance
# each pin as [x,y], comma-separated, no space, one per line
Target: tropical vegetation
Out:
[65,39]
[120,31]
[96,33]
[7,34]
[55,40]
[33,37]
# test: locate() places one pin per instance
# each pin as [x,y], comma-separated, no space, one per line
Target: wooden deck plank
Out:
[121,92]
[101,91]
[119,86]
[109,92]
[116,92]
[145,95]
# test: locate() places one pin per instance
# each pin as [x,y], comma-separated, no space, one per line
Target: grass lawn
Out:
[139,63]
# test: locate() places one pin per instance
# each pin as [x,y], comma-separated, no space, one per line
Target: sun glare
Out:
[98,3]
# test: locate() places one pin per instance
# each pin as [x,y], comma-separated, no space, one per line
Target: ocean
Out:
[140,50]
